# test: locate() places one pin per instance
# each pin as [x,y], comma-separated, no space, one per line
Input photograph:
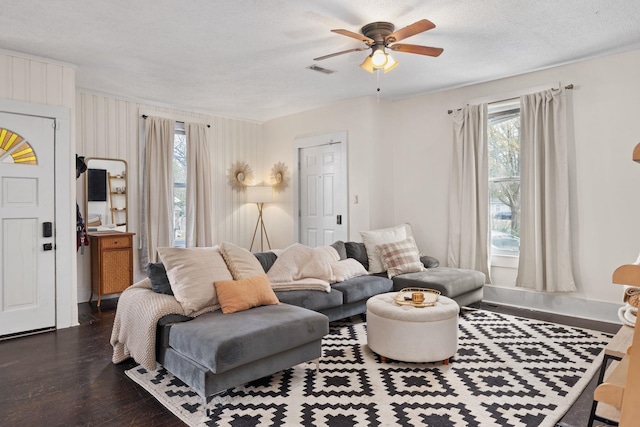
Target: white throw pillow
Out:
[191,273]
[373,238]
[242,263]
[400,257]
[346,269]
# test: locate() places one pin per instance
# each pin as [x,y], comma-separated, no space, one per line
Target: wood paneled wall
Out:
[36,81]
[110,127]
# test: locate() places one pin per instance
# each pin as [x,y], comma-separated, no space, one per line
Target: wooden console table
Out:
[111,262]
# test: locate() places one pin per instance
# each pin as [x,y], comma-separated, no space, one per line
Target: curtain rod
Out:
[569,86]
[144,116]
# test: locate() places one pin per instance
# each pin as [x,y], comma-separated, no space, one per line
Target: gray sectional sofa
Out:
[216,351]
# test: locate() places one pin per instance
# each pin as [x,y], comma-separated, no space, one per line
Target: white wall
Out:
[109,127]
[604,181]
[31,85]
[406,177]
[367,124]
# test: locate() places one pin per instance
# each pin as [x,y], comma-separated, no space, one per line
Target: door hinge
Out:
[55,124]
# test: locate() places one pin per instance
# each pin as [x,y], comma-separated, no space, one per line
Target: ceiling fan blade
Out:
[414,48]
[356,36]
[410,30]
[331,55]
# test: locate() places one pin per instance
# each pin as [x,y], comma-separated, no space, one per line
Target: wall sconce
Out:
[240,175]
[260,195]
[279,177]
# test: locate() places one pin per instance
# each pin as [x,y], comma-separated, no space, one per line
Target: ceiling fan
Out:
[380,35]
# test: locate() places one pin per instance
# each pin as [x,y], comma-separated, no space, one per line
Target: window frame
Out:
[509,107]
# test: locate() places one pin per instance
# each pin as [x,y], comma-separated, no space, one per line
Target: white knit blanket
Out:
[301,267]
[134,327]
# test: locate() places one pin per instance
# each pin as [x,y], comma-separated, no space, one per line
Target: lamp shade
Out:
[259,194]
[367,65]
[391,64]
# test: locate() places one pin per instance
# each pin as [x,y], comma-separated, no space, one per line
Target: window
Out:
[504,178]
[179,185]
[14,149]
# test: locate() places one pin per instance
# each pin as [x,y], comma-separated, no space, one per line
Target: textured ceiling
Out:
[248,58]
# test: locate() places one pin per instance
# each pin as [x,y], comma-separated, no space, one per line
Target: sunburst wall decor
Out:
[240,175]
[279,177]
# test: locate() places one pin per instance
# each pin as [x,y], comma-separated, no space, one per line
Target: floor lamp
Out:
[260,195]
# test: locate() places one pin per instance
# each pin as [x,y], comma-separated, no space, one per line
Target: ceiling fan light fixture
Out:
[379,57]
[391,64]
[367,64]
[378,36]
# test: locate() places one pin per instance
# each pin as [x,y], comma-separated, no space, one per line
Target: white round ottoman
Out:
[412,334]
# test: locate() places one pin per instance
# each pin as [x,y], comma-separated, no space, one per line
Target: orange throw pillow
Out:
[240,295]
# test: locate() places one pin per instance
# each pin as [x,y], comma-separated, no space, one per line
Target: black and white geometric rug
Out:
[508,371]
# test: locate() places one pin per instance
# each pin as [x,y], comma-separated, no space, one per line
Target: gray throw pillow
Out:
[266,259]
[429,261]
[340,247]
[357,251]
[159,280]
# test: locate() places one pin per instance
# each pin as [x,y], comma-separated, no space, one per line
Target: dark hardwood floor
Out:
[66,378]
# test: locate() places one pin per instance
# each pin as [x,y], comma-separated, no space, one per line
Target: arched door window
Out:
[15,149]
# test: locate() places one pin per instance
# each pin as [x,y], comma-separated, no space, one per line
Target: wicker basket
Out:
[632,297]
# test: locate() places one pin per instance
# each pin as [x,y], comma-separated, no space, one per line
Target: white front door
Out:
[323,200]
[27,257]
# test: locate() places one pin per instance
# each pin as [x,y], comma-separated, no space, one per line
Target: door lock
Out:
[47,246]
[47,229]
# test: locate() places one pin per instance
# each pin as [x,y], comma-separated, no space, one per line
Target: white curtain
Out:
[199,187]
[545,239]
[158,186]
[469,197]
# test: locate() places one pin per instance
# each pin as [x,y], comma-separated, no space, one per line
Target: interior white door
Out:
[27,257]
[323,202]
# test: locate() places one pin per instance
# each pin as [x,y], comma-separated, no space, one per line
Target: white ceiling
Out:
[248,58]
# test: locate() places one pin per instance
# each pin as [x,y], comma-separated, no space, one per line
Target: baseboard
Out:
[550,303]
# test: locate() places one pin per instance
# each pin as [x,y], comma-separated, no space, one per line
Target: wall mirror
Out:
[106,190]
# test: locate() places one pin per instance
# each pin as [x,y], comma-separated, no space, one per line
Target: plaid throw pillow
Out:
[400,257]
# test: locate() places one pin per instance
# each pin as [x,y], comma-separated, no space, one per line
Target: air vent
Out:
[320,69]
